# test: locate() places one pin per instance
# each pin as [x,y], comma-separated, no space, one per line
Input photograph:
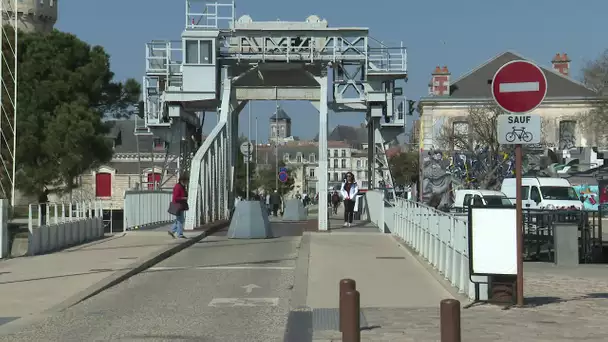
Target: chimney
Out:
[561,63]
[440,83]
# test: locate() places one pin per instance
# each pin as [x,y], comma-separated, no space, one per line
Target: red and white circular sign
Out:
[519,86]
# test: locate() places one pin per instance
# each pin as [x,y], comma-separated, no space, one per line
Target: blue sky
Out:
[459,34]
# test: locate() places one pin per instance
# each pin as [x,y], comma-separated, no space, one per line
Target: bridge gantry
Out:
[221,63]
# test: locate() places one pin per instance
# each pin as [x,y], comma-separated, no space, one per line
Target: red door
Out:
[153,181]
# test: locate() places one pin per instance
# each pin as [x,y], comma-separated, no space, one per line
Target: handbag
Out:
[174,208]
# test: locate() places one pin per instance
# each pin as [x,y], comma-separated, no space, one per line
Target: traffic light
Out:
[410,107]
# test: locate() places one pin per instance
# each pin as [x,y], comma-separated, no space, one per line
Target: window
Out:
[343,175]
[286,157]
[158,144]
[153,181]
[335,163]
[103,184]
[560,193]
[335,176]
[311,173]
[460,131]
[273,131]
[567,134]
[343,163]
[335,153]
[525,192]
[358,164]
[343,153]
[299,157]
[312,158]
[205,52]
[477,201]
[467,200]
[535,194]
[192,51]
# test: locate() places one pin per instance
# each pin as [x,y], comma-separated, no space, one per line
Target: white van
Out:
[487,198]
[543,193]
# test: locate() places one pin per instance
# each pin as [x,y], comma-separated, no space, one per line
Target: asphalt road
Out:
[217,290]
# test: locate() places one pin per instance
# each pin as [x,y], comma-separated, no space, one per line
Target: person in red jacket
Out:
[180,200]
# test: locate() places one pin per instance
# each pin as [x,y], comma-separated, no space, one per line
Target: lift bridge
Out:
[220,63]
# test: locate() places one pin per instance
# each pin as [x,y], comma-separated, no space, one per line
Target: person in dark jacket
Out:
[180,200]
[275,202]
[43,201]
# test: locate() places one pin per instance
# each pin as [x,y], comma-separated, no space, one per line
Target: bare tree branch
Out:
[595,77]
[475,136]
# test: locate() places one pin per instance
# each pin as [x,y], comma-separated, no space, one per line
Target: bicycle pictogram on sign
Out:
[520,133]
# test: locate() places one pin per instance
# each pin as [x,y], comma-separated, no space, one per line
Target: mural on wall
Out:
[591,195]
[567,135]
[443,172]
[436,179]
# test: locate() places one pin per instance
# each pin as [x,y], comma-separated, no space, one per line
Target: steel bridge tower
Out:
[221,63]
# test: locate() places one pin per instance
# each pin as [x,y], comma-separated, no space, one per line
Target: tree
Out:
[595,77]
[404,168]
[267,178]
[474,138]
[65,89]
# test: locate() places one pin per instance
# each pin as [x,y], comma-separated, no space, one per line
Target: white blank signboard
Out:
[493,248]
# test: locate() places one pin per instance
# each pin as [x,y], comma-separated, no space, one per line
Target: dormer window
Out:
[299,157]
[158,144]
[286,157]
[312,158]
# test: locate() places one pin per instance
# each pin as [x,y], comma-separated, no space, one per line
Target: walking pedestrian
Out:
[178,207]
[349,190]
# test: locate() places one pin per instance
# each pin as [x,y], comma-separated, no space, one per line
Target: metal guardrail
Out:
[54,226]
[146,207]
[439,237]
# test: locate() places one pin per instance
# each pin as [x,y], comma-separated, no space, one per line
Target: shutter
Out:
[103,185]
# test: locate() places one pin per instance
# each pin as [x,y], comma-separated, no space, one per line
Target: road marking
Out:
[165,268]
[249,288]
[518,87]
[251,302]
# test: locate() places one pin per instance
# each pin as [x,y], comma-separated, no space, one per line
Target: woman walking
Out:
[349,191]
[179,204]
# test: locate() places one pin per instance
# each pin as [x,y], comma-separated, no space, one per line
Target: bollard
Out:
[351,331]
[450,320]
[345,286]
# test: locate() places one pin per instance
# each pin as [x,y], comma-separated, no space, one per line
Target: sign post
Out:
[519,87]
[246,149]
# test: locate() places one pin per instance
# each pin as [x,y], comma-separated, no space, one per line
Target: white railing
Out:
[146,207]
[386,59]
[54,226]
[211,170]
[438,237]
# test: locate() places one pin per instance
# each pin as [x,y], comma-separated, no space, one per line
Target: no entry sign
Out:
[519,86]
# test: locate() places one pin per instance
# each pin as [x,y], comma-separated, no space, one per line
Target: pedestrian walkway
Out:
[386,275]
[387,278]
[562,304]
[33,285]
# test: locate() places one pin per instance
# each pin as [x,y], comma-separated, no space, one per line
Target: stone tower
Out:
[33,15]
[280,126]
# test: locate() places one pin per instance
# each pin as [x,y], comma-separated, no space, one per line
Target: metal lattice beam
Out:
[8,97]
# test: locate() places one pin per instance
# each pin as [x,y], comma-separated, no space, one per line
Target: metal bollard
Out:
[345,286]
[450,320]
[351,331]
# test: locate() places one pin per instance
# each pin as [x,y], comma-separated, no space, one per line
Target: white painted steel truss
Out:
[8,96]
[353,55]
